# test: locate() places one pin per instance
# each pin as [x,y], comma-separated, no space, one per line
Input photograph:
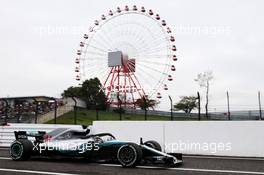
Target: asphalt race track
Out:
[197,165]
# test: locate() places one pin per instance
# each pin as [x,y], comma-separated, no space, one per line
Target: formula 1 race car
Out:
[102,147]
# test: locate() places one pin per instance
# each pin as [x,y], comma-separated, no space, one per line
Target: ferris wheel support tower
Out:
[121,78]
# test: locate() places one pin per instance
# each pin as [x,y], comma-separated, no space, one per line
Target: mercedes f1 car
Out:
[102,147]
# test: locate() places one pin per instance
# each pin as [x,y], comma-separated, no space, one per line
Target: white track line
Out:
[144,167]
[224,158]
[34,172]
[192,169]
[217,171]
[5,158]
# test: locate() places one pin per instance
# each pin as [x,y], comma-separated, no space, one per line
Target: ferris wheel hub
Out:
[117,58]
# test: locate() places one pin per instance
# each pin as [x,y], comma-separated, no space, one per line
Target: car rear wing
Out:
[25,134]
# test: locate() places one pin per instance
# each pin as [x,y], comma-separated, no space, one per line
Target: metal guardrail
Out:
[7,131]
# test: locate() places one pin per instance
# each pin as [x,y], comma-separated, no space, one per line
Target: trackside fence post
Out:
[36,110]
[199,106]
[145,108]
[75,110]
[259,102]
[228,106]
[171,104]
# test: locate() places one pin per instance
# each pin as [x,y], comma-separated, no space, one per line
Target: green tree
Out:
[150,103]
[90,92]
[72,92]
[186,104]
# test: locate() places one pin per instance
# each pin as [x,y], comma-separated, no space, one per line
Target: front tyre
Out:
[21,149]
[129,155]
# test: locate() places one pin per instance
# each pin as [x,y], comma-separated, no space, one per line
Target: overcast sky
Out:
[225,36]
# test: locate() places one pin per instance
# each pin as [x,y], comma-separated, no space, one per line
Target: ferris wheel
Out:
[131,51]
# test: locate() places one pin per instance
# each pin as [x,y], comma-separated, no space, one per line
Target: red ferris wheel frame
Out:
[130,83]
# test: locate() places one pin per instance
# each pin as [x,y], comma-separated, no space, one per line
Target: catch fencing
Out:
[235,115]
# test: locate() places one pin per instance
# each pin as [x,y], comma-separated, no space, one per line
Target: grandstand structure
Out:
[27,109]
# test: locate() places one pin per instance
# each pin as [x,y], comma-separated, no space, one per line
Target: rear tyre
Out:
[153,144]
[21,149]
[129,155]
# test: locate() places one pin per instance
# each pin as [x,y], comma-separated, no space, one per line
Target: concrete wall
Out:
[221,138]
[50,115]
[70,103]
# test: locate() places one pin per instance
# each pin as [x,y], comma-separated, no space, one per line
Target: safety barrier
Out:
[221,138]
[7,132]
